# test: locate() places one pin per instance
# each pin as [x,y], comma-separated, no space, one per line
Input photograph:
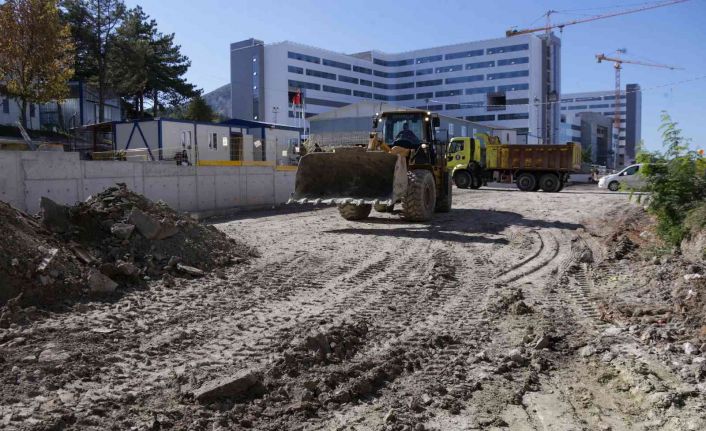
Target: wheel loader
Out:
[403,163]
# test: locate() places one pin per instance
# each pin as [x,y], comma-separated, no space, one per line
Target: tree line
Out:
[117,50]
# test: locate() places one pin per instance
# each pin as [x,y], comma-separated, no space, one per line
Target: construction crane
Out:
[618,66]
[549,26]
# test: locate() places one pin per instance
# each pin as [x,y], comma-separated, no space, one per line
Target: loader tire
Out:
[443,205]
[420,200]
[354,212]
[382,208]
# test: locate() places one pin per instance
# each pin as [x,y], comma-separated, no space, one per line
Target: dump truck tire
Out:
[549,183]
[463,179]
[382,208]
[526,182]
[354,212]
[443,205]
[477,182]
[420,200]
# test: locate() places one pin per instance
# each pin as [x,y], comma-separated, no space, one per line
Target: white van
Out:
[630,177]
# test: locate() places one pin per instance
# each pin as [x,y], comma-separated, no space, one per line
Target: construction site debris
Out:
[245,383]
[93,248]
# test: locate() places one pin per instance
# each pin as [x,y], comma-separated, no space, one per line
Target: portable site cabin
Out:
[208,144]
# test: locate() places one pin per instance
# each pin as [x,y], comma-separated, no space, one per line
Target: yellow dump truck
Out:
[475,161]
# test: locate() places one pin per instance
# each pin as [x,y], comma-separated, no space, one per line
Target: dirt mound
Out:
[116,238]
[655,289]
[33,261]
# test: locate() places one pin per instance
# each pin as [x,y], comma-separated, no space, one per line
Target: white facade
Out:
[603,102]
[497,82]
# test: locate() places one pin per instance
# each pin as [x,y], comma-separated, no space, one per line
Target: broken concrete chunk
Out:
[49,255]
[55,217]
[99,283]
[53,355]
[190,270]
[122,230]
[128,269]
[150,227]
[145,224]
[246,383]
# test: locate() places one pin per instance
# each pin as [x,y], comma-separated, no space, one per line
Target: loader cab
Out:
[412,130]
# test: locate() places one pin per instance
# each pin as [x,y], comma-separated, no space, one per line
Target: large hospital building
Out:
[512,83]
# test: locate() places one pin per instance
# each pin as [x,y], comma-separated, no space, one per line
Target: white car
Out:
[629,177]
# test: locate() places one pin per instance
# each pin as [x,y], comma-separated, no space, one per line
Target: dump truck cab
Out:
[465,159]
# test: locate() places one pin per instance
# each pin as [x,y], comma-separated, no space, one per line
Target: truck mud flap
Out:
[350,177]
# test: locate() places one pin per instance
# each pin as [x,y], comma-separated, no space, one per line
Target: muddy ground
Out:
[490,317]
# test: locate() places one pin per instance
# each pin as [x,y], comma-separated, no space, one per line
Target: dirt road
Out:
[483,319]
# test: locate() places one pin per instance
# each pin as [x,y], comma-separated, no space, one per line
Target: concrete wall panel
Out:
[61,191]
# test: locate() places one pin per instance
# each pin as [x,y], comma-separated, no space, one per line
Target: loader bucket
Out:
[353,177]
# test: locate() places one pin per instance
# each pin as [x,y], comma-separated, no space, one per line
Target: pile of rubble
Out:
[115,238]
[659,294]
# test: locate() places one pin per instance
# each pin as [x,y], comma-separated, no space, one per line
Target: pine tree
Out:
[36,53]
[147,63]
[93,26]
[199,110]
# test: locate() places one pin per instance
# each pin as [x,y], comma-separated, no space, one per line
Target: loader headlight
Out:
[425,146]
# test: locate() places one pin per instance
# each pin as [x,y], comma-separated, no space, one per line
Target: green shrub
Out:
[676,182]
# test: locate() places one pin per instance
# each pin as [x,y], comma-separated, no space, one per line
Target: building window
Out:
[429,83]
[460,79]
[601,106]
[509,61]
[425,95]
[320,74]
[429,59]
[505,75]
[337,64]
[480,65]
[364,94]
[431,107]
[394,63]
[303,57]
[301,84]
[295,69]
[479,90]
[577,107]
[509,48]
[337,90]
[449,93]
[6,105]
[360,69]
[348,79]
[520,116]
[402,97]
[366,82]
[587,99]
[381,97]
[513,87]
[213,143]
[428,71]
[518,101]
[481,118]
[445,69]
[322,102]
[404,74]
[464,54]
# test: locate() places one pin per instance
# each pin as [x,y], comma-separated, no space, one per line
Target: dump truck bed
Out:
[561,158]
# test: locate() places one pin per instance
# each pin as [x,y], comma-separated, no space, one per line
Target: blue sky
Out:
[674,35]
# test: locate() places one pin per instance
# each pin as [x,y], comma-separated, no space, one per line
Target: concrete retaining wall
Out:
[27,176]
